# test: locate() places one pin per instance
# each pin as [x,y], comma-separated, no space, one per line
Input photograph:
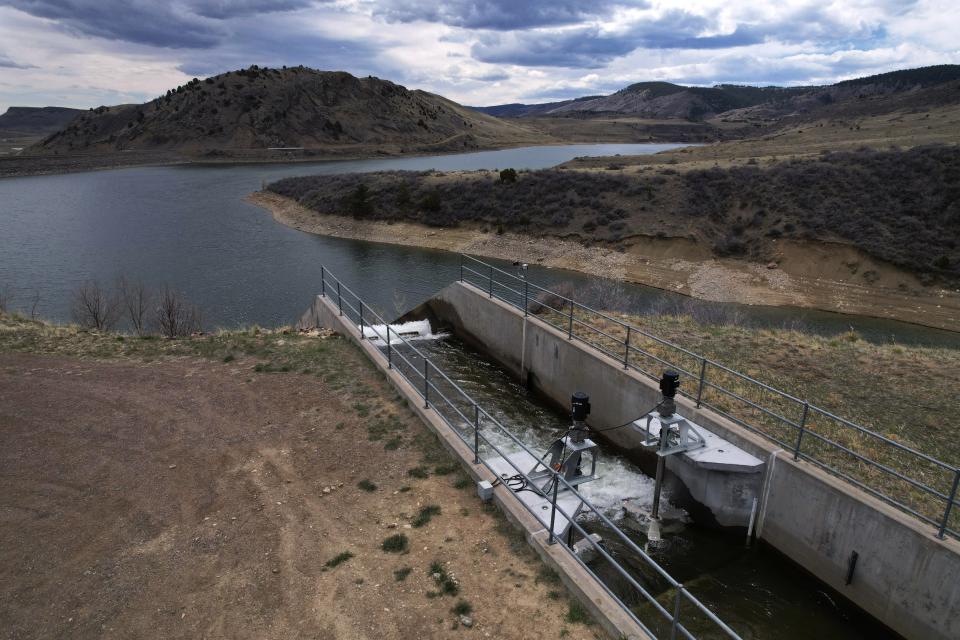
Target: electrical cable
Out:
[627,424]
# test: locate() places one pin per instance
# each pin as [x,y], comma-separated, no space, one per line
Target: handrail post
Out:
[526,296]
[426,383]
[476,433]
[676,612]
[361,319]
[626,349]
[570,326]
[703,378]
[946,512]
[323,284]
[389,357]
[803,426]
[553,510]
[461,267]
[491,281]
[339,299]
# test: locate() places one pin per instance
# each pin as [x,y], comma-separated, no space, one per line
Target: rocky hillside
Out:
[29,121]
[260,108]
[732,103]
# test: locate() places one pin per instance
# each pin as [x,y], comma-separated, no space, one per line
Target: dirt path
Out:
[818,276]
[191,498]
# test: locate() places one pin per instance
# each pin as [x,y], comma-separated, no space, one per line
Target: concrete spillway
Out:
[886,562]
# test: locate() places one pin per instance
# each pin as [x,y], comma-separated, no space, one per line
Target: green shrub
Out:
[338,559]
[462,608]
[425,515]
[577,614]
[397,543]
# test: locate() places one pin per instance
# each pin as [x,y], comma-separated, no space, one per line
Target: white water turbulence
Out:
[617,479]
[414,330]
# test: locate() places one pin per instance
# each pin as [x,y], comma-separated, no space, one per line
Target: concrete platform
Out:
[538,504]
[717,454]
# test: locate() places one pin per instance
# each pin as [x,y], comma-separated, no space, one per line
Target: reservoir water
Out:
[188,227]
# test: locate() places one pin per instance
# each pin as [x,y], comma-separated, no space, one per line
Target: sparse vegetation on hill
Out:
[747,104]
[259,108]
[902,207]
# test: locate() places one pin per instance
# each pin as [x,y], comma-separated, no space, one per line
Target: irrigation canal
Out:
[754,589]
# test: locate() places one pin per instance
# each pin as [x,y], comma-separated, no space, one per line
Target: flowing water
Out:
[188,226]
[754,589]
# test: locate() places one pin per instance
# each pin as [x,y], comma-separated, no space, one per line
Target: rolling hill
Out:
[262,108]
[31,121]
[665,100]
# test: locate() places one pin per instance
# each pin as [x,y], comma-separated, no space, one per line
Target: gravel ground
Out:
[187,497]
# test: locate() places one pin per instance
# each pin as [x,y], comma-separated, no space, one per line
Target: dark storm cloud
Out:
[499,15]
[223,9]
[193,24]
[590,47]
[139,21]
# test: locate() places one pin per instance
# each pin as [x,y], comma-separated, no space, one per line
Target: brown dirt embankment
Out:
[812,275]
[151,493]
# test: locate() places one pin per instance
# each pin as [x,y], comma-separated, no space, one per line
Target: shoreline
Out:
[46,165]
[674,265]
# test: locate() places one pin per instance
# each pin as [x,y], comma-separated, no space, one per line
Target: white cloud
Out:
[76,57]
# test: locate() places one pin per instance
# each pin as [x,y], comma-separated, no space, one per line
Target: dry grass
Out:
[907,394]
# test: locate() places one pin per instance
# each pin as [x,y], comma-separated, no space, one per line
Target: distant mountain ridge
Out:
[36,120]
[668,100]
[262,108]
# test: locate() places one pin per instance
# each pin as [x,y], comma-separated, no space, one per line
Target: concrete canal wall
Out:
[904,576]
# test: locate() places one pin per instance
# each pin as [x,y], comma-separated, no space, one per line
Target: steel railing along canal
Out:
[486,436]
[886,469]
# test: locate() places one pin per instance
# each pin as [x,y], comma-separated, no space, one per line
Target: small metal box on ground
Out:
[485,490]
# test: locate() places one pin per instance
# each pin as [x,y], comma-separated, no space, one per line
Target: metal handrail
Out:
[424,382]
[801,427]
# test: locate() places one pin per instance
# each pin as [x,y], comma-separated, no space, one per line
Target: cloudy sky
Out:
[85,53]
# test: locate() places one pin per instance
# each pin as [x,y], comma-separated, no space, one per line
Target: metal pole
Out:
[426,384]
[361,319]
[491,281]
[703,378]
[323,284]
[526,295]
[626,349]
[946,512]
[661,462]
[339,299]
[553,511]
[476,433]
[389,350]
[676,612]
[570,327]
[461,267]
[803,425]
